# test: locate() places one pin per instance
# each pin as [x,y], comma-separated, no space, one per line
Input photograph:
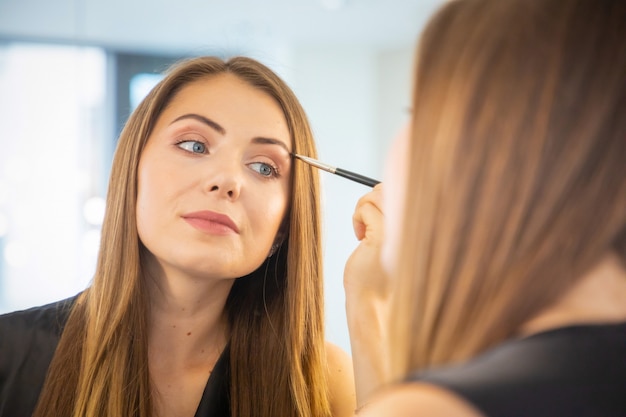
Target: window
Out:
[60,115]
[53,154]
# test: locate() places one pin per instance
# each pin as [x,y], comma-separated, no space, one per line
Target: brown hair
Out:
[517,179]
[275,314]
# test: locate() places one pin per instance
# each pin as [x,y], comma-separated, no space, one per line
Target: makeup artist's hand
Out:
[363,272]
[367,295]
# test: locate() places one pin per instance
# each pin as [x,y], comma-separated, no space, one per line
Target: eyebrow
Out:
[221,130]
[201,119]
[270,141]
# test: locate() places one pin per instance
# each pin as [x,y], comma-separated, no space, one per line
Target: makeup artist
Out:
[207,298]
[502,290]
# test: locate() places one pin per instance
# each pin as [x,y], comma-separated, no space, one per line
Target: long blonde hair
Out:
[517,178]
[277,356]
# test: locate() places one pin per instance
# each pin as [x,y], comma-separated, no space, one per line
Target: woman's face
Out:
[213,179]
[394,180]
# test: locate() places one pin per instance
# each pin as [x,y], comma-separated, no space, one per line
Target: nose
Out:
[225,180]
[224,191]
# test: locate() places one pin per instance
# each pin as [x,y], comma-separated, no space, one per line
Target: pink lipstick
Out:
[211,222]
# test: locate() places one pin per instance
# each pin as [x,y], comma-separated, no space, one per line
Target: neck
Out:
[598,298]
[187,324]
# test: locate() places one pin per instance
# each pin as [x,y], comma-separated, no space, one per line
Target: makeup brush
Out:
[338,171]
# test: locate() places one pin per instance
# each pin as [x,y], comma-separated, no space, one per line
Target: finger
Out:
[368,215]
[371,220]
[374,198]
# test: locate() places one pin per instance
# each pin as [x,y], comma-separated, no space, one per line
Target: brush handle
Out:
[362,179]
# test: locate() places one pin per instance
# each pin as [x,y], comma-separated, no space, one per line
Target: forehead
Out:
[231,102]
[226,95]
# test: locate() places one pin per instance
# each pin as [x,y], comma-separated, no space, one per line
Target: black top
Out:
[576,371]
[28,340]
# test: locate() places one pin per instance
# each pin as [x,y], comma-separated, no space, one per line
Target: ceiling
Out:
[208,25]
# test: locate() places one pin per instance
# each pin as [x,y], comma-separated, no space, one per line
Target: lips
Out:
[211,222]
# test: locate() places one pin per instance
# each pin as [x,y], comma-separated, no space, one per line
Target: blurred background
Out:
[71,71]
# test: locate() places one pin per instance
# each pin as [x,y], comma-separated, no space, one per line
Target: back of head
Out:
[517,182]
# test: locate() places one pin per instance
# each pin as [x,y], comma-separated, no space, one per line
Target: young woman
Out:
[207,298]
[505,221]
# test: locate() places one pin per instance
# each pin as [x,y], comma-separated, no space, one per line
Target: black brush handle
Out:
[362,179]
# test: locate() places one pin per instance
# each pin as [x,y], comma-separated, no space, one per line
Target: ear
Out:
[273,250]
[279,239]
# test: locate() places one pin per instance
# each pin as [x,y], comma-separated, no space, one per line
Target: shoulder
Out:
[28,340]
[50,317]
[340,381]
[34,329]
[576,370]
[416,400]
[337,359]
[570,355]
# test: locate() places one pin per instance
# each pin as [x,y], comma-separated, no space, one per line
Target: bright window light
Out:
[52,109]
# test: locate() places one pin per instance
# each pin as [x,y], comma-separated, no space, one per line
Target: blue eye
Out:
[264,169]
[192,146]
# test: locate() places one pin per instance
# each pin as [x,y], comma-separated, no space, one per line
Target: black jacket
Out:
[28,340]
[574,371]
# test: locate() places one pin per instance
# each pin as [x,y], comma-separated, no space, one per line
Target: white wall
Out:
[356,100]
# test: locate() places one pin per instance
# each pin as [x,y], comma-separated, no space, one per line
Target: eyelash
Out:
[185,141]
[274,170]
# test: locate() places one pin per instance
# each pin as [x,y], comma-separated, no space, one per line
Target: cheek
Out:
[266,210]
[153,187]
[144,201]
[146,180]
[393,198]
[159,181]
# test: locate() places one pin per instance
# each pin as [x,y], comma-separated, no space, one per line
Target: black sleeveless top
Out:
[575,371]
[28,340]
